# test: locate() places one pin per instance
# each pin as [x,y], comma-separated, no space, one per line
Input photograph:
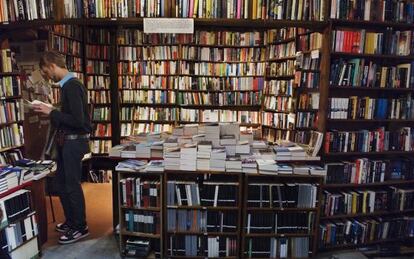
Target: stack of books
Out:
[204,155]
[132,165]
[218,159]
[188,157]
[249,165]
[143,150]
[212,132]
[172,158]
[267,166]
[233,164]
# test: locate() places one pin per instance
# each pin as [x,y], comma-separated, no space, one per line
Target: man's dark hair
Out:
[51,57]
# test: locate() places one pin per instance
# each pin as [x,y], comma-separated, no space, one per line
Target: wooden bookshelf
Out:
[125,233]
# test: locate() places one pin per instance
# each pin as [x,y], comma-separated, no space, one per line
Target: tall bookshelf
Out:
[11,106]
[368,94]
[98,82]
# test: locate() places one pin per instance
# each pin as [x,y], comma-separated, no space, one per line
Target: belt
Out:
[76,136]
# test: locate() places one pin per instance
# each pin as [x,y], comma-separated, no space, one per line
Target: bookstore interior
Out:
[220,128]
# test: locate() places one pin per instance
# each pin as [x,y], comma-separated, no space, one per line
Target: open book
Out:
[34,102]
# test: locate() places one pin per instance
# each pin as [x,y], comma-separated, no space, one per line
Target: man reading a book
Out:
[73,126]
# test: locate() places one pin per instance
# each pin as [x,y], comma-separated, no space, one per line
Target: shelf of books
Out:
[203,214]
[280,216]
[368,141]
[98,83]
[18,228]
[278,117]
[140,213]
[11,106]
[148,72]
[67,40]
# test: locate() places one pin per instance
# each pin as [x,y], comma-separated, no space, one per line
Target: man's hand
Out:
[42,108]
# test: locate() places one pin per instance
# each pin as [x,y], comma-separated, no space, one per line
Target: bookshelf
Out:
[141,218]
[363,44]
[214,201]
[98,82]
[267,222]
[11,105]
[19,219]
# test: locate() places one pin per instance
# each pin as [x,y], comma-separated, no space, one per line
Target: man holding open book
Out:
[73,124]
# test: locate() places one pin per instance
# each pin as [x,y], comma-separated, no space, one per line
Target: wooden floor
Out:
[98,198]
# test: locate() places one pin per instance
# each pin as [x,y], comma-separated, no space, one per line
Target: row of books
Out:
[281,69]
[280,223]
[16,235]
[147,96]
[10,111]
[139,193]
[100,146]
[343,232]
[206,246]
[353,202]
[184,83]
[264,247]
[358,107]
[75,64]
[19,10]
[65,45]
[279,87]
[369,141]
[219,98]
[70,31]
[11,136]
[275,36]
[99,97]
[365,73]
[199,53]
[179,220]
[221,38]
[223,54]
[10,157]
[149,113]
[390,42]
[306,120]
[128,129]
[102,130]
[190,68]
[278,103]
[308,101]
[98,36]
[197,115]
[401,199]
[142,221]
[102,113]
[15,205]
[278,120]
[209,194]
[242,9]
[97,67]
[364,170]
[309,41]
[306,79]
[375,11]
[308,61]
[97,51]
[8,63]
[282,50]
[98,82]
[265,195]
[10,86]
[141,247]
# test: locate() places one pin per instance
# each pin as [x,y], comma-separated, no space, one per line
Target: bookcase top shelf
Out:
[135,22]
[327,248]
[374,89]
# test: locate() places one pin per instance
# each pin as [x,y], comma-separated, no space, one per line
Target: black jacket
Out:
[73,117]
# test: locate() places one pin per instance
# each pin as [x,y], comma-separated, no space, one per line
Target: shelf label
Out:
[169,25]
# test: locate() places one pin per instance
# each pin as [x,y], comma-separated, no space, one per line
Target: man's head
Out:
[53,66]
